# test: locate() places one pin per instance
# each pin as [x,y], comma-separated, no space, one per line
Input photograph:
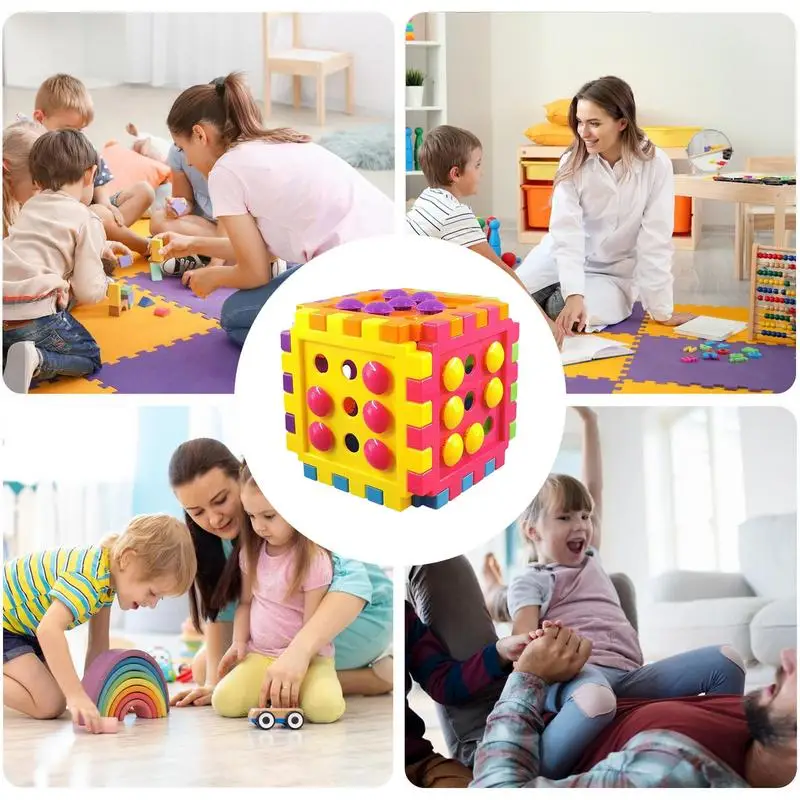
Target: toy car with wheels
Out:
[268,718]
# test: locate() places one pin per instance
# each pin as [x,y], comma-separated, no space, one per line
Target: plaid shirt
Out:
[508,756]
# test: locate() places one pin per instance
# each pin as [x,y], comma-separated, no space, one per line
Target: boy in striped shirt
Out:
[451,160]
[48,593]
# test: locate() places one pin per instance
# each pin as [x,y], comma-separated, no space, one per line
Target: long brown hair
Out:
[251,545]
[227,104]
[192,460]
[615,97]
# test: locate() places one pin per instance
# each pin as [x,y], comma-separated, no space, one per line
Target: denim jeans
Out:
[241,308]
[64,345]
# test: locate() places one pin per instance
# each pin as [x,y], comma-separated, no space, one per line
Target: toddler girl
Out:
[45,594]
[18,187]
[568,584]
[284,577]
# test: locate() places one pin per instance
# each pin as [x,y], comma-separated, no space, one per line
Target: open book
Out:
[577,349]
[710,328]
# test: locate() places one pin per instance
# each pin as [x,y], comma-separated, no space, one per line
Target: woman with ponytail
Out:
[275,194]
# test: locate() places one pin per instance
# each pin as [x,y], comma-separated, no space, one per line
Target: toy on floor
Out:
[121,682]
[401,397]
[120,298]
[713,350]
[773,295]
[144,302]
[689,359]
[268,718]
[161,312]
[156,259]
[491,227]
[164,661]
[185,674]
[107,725]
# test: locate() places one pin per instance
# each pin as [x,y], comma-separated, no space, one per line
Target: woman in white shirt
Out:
[610,239]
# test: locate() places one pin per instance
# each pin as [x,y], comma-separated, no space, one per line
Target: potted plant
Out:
[414,88]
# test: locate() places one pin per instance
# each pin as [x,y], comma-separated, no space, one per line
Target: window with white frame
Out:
[702,499]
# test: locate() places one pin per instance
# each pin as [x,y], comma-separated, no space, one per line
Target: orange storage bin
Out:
[537,202]
[683,216]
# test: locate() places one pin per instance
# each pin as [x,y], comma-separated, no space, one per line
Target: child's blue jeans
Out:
[240,310]
[65,346]
[585,705]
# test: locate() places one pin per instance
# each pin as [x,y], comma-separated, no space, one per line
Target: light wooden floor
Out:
[194,747]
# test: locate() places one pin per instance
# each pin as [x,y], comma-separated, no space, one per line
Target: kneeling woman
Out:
[610,239]
[355,614]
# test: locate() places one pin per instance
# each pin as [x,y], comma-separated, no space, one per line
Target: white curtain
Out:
[180,50]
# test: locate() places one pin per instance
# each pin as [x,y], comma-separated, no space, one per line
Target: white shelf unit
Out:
[427,53]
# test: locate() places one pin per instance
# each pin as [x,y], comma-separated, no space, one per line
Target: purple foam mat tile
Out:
[658,359]
[582,385]
[172,290]
[630,325]
[205,364]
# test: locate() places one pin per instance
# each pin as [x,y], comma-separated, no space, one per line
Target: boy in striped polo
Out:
[48,593]
[451,160]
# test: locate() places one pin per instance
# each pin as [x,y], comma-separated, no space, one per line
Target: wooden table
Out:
[704,187]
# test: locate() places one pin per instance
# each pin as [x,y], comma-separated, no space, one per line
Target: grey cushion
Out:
[774,628]
[672,628]
[685,585]
[768,554]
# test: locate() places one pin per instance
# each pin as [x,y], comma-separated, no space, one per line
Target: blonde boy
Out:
[64,102]
[452,161]
[45,594]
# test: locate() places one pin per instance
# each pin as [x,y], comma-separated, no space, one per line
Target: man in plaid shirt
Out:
[508,755]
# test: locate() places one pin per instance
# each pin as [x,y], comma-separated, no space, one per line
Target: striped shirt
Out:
[508,755]
[446,680]
[441,215]
[79,577]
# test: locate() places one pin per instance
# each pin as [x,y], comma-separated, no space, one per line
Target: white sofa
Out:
[755,610]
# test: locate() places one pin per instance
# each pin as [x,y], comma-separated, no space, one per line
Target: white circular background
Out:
[353,526]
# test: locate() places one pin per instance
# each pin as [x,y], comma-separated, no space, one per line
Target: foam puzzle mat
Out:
[656,367]
[184,351]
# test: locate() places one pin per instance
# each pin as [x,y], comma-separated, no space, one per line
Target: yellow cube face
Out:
[363,392]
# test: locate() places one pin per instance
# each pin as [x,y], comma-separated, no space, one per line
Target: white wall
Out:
[185,49]
[769,455]
[734,72]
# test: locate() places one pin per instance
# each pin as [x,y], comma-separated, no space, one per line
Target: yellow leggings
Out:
[321,695]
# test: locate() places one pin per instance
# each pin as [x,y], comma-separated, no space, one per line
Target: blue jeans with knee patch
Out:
[585,705]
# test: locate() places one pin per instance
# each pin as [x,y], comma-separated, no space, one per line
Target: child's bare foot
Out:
[492,574]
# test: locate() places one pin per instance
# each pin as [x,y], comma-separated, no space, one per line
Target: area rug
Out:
[370,147]
[656,367]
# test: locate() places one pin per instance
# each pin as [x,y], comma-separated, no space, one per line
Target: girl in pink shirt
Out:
[568,586]
[284,577]
[275,195]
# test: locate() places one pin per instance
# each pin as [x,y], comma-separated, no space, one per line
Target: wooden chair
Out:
[301,62]
[761,218]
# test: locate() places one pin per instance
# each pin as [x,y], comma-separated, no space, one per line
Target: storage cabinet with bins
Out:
[537,166]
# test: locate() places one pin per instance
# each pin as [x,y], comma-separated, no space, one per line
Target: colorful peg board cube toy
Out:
[773,300]
[401,397]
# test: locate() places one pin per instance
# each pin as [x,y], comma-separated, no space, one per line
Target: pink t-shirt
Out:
[305,200]
[274,618]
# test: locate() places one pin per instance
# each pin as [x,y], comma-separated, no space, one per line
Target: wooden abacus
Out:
[773,295]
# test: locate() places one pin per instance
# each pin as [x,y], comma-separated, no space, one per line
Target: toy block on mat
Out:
[144,301]
[114,299]
[773,295]
[155,271]
[156,243]
[401,397]
[161,312]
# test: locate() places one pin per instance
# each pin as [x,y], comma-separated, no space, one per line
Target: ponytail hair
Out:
[228,105]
